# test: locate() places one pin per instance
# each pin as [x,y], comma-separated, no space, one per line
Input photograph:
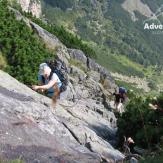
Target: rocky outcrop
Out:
[137,5]
[91,65]
[78,55]
[52,42]
[80,71]
[31,6]
[76,132]
[19,16]
[29,130]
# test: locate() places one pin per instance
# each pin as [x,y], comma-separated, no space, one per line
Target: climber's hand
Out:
[35,87]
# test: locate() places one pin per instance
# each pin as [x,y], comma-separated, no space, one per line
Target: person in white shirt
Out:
[48,81]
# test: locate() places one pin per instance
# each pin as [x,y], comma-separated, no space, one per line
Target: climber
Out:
[128,145]
[120,98]
[48,81]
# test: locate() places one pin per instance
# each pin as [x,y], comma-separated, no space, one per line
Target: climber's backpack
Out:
[58,66]
[122,90]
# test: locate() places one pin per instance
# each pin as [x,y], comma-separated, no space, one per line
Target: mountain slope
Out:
[106,23]
[83,126]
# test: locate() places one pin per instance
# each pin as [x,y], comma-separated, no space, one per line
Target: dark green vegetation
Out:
[109,28]
[116,63]
[143,124]
[153,159]
[20,47]
[139,45]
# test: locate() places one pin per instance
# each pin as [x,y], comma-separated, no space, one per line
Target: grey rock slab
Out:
[21,138]
[22,135]
[78,55]
[89,131]
[50,40]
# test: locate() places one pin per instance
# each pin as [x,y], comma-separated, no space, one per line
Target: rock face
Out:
[26,132]
[78,55]
[31,6]
[76,132]
[90,64]
[52,42]
[66,55]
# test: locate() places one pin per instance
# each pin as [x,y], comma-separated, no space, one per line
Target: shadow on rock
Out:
[105,133]
[15,95]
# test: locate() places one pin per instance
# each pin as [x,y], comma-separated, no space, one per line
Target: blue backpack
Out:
[122,90]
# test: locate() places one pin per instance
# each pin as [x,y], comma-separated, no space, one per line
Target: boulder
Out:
[76,72]
[63,54]
[30,131]
[78,55]
[69,94]
[90,129]
[92,65]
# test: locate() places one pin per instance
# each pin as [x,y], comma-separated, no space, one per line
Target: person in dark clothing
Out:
[128,145]
[120,98]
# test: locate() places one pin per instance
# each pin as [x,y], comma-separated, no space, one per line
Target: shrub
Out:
[20,46]
[140,122]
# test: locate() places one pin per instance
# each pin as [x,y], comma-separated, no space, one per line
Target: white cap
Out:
[42,67]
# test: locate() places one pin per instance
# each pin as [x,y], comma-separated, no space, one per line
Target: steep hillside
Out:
[109,28]
[107,23]
[154,5]
[100,21]
[83,126]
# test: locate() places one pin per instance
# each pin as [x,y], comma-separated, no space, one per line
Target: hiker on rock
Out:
[128,145]
[48,81]
[120,98]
